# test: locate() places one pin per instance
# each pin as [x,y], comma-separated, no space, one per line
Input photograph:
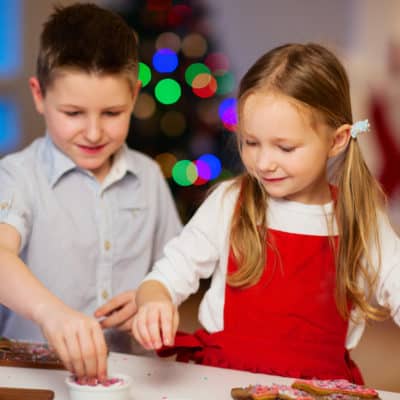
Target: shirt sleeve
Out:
[15,208]
[169,224]
[388,289]
[194,254]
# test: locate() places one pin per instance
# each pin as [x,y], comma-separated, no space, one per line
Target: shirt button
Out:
[107,245]
[104,294]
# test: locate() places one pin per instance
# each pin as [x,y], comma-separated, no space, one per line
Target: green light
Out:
[168,91]
[225,83]
[144,74]
[184,173]
[195,69]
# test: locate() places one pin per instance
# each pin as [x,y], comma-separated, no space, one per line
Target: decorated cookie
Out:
[17,353]
[260,392]
[336,386]
[254,392]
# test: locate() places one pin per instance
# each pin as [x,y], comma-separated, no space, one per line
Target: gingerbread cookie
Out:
[14,353]
[254,392]
[337,386]
[260,392]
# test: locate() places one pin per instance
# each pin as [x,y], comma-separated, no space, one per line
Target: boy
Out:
[87,215]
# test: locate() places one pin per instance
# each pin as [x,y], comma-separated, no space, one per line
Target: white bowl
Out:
[116,391]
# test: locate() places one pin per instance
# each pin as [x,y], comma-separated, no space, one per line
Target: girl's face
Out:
[284,150]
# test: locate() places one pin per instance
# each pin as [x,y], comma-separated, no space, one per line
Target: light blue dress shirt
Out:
[86,241]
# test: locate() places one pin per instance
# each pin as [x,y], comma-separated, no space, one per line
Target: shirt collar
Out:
[57,163]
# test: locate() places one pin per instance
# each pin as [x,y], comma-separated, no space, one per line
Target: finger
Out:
[119,316]
[108,307]
[60,348]
[87,348]
[137,334]
[166,327]
[143,335]
[101,353]
[125,326]
[154,327]
[74,352]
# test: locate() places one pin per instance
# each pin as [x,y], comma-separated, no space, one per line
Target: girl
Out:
[297,256]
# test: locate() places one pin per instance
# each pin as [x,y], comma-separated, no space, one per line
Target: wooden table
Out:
[154,379]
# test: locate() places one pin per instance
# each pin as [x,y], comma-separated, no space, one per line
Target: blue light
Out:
[165,60]
[214,164]
[10,38]
[10,132]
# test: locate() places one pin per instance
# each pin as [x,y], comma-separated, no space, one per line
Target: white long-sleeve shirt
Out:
[201,251]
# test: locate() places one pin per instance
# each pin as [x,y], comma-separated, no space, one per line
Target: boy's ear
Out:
[135,92]
[36,93]
[340,140]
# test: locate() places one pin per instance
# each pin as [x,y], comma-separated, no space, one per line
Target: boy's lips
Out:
[91,149]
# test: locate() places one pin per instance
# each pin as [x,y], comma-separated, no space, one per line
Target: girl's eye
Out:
[250,143]
[287,149]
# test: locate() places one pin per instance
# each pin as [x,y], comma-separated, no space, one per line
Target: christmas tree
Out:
[186,111]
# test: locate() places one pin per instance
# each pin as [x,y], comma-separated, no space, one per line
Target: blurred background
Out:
[192,56]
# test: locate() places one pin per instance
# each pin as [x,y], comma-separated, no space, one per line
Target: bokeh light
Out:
[166,161]
[225,82]
[217,62]
[194,45]
[184,173]
[169,40]
[173,123]
[168,91]
[165,60]
[203,172]
[144,74]
[10,133]
[207,111]
[145,106]
[204,85]
[228,113]
[195,69]
[214,164]
[178,15]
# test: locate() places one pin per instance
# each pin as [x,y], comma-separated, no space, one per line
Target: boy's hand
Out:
[77,339]
[118,312]
[155,324]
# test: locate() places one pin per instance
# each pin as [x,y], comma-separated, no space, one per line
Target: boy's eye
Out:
[287,149]
[72,113]
[112,113]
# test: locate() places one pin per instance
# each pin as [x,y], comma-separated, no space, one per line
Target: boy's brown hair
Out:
[89,38]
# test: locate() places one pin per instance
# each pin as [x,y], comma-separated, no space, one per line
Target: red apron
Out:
[287,324]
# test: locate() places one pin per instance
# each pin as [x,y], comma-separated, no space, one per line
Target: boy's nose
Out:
[94,130]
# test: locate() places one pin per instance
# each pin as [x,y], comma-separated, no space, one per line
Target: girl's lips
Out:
[273,179]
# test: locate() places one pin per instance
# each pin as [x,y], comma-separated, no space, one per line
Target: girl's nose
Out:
[266,164]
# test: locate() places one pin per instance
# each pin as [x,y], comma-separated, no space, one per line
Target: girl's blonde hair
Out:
[314,77]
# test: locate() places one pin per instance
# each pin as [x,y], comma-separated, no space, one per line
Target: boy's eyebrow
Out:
[83,107]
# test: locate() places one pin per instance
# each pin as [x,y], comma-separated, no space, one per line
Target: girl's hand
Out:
[155,324]
[77,339]
[118,312]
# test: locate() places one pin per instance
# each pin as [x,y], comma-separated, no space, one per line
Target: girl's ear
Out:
[36,94]
[340,140]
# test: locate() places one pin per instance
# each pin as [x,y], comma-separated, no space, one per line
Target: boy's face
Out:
[87,116]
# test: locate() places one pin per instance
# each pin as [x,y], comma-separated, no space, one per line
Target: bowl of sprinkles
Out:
[116,387]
